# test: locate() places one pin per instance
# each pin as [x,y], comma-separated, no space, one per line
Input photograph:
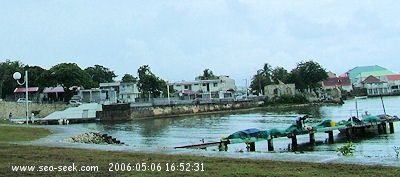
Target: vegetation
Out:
[15,133]
[100,74]
[129,78]
[347,150]
[207,75]
[261,79]
[7,83]
[307,75]
[288,99]
[149,84]
[63,74]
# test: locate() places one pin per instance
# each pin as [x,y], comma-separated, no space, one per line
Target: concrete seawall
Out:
[18,109]
[128,112]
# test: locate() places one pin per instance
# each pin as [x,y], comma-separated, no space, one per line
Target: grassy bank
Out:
[124,163]
[20,133]
[50,156]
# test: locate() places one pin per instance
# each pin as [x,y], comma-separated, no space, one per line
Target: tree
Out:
[150,83]
[66,75]
[100,74]
[281,74]
[308,75]
[33,75]
[207,75]
[7,82]
[129,78]
[261,79]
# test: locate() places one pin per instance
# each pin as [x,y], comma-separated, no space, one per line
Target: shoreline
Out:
[60,133]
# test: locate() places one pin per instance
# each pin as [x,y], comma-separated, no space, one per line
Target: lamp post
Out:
[259,82]
[169,100]
[17,76]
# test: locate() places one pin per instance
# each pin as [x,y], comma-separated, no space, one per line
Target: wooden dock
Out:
[199,146]
[350,130]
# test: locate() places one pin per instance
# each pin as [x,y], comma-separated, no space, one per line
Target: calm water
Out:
[171,132]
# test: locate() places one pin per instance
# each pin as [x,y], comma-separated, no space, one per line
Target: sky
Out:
[178,39]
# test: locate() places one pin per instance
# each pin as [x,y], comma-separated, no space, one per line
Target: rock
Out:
[93,138]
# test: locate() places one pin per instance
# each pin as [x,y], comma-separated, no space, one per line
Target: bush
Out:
[347,150]
[289,99]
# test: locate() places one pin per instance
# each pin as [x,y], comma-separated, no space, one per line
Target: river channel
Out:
[178,131]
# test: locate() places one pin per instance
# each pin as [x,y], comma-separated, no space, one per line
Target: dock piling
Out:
[270,145]
[252,146]
[391,127]
[312,139]
[294,143]
[330,136]
[384,129]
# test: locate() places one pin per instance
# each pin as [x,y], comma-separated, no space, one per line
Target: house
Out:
[356,72]
[93,95]
[375,86]
[341,82]
[381,75]
[33,93]
[393,83]
[277,90]
[128,92]
[221,87]
[53,93]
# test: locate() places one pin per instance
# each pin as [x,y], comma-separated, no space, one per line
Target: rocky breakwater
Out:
[93,138]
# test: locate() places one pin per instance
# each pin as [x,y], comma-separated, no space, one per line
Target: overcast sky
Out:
[179,39]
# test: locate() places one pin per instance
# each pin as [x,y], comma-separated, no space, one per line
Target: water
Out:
[171,132]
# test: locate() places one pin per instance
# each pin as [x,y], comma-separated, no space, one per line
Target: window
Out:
[215,84]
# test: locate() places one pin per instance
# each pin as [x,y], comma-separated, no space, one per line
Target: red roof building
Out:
[53,90]
[394,77]
[23,90]
[372,80]
[334,82]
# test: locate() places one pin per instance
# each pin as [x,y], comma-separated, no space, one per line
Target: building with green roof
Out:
[356,72]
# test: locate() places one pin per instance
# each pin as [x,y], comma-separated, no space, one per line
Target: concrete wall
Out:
[126,112]
[18,109]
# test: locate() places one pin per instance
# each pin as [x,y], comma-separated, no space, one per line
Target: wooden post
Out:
[384,127]
[391,127]
[294,143]
[223,146]
[312,139]
[348,133]
[379,128]
[330,136]
[270,145]
[252,146]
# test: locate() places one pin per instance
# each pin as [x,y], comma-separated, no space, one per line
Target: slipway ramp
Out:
[86,111]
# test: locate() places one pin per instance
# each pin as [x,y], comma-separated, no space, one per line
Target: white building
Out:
[128,92]
[110,93]
[280,89]
[222,87]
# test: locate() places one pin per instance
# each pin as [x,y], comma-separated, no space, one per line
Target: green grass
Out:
[14,154]
[19,133]
[5,121]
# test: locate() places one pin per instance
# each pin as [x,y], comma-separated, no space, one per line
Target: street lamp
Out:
[169,101]
[259,81]
[17,76]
